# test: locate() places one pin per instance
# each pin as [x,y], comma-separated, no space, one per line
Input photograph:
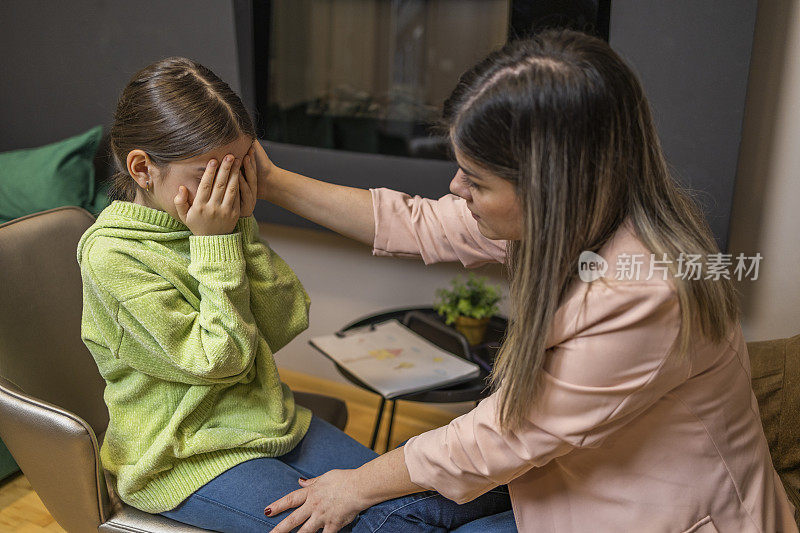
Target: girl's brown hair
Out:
[173,109]
[562,117]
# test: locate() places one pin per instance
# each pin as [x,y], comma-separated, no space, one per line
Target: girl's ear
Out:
[139,165]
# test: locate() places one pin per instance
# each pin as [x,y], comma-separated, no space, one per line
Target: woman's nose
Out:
[459,187]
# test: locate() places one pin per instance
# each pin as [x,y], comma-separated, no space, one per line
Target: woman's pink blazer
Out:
[622,436]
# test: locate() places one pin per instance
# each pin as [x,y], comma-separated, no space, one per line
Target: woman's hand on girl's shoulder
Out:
[215,209]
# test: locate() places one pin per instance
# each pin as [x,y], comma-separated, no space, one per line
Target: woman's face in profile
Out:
[492,200]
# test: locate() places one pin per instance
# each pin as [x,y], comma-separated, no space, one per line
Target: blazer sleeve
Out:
[611,362]
[278,301]
[164,334]
[436,230]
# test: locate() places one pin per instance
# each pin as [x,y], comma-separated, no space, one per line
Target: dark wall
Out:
[65,63]
[693,59]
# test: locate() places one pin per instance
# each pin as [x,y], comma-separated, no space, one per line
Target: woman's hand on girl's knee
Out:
[215,209]
[327,502]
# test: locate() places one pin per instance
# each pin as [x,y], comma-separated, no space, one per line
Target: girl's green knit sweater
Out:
[183,329]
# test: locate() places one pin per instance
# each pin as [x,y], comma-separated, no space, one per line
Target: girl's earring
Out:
[147,188]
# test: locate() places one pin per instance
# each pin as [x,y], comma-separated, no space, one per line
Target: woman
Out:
[619,404]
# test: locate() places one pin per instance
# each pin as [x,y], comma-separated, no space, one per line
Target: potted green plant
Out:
[469,304]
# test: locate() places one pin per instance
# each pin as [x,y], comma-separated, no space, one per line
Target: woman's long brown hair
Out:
[566,120]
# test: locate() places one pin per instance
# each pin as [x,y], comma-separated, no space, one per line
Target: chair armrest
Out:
[58,453]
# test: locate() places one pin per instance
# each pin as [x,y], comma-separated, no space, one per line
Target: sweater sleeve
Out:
[278,300]
[613,369]
[164,330]
[436,230]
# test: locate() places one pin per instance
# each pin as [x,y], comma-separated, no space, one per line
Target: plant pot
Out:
[474,329]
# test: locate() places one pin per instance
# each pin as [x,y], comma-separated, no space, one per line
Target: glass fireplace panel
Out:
[371,75]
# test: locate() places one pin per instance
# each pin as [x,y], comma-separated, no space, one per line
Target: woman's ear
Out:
[139,166]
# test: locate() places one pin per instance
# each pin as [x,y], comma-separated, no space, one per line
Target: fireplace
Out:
[370,76]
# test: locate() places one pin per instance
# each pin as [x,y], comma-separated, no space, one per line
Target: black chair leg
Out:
[377,424]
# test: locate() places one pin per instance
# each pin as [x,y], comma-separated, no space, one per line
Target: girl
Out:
[184,308]
[621,403]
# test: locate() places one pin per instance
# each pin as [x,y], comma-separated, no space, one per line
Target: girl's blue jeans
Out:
[235,500]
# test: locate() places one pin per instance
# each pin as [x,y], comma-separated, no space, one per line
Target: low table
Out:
[427,323]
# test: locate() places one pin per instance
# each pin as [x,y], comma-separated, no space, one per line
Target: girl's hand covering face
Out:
[248,183]
[328,502]
[215,208]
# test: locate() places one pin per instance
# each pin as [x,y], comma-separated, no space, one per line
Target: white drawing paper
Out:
[394,360]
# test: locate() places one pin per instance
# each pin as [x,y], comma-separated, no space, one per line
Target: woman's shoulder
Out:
[622,285]
[436,229]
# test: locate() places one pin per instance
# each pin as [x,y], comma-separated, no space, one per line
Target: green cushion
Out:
[58,174]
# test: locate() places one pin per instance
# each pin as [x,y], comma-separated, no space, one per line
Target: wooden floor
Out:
[22,511]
